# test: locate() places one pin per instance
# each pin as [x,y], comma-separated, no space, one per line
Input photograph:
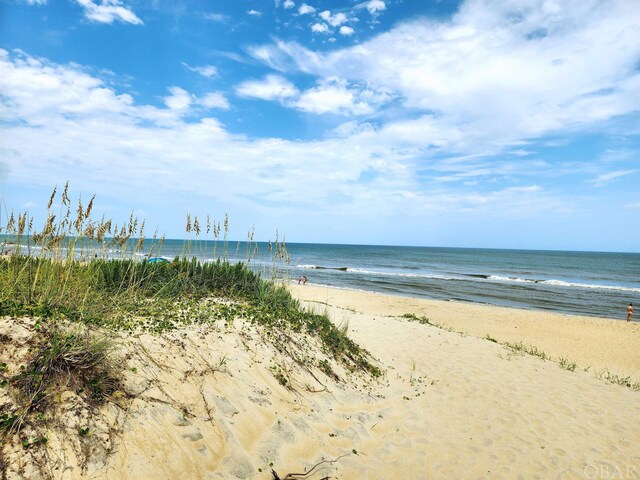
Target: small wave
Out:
[403,275]
[513,279]
[320,267]
[476,277]
[561,283]
[588,285]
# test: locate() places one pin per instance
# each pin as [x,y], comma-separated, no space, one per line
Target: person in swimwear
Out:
[629,312]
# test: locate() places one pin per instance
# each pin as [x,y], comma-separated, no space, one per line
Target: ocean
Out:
[579,283]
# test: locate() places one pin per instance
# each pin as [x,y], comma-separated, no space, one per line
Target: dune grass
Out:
[63,272]
[62,358]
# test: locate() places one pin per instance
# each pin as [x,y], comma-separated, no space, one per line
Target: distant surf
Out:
[476,277]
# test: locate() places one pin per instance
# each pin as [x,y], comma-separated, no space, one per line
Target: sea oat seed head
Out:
[65,197]
[89,207]
[80,217]
[22,220]
[11,224]
[53,195]
[196,226]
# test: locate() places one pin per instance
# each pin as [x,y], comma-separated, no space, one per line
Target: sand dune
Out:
[208,403]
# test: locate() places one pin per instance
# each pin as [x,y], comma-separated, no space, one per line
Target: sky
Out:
[475,123]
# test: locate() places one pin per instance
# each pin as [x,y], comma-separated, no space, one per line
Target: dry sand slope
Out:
[208,405]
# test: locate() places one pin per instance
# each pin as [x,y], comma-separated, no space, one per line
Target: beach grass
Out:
[624,381]
[62,275]
[63,358]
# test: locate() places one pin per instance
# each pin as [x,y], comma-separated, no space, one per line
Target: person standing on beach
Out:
[629,312]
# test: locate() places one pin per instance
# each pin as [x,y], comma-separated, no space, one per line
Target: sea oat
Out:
[65,197]
[79,217]
[87,214]
[196,225]
[133,224]
[90,230]
[102,229]
[22,220]
[53,195]
[140,238]
[48,226]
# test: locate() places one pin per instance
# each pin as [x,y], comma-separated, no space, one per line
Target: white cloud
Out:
[208,71]
[179,100]
[375,6]
[521,152]
[272,87]
[458,90]
[338,19]
[333,20]
[333,95]
[487,80]
[255,13]
[217,17]
[345,30]
[608,177]
[319,28]
[289,4]
[214,100]
[108,11]
[330,99]
[36,2]
[306,9]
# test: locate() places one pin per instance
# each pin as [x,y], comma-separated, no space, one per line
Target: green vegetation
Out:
[64,277]
[528,349]
[414,318]
[607,376]
[62,359]
[565,364]
[426,321]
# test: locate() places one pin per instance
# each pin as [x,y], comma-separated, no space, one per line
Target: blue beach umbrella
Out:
[157,260]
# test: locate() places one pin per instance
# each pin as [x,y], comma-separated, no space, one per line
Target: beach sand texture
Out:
[450,406]
[590,342]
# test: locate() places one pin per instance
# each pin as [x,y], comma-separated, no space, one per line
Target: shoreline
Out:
[472,302]
[593,343]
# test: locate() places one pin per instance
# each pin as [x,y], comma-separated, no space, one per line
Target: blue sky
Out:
[477,123]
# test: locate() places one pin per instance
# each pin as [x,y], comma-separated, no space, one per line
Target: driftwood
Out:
[302,476]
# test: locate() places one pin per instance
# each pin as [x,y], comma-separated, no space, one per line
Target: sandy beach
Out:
[590,342]
[208,402]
